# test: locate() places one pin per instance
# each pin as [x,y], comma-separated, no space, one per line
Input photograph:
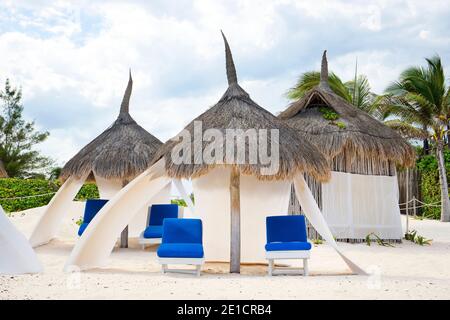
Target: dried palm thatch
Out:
[3,173]
[355,142]
[236,110]
[121,152]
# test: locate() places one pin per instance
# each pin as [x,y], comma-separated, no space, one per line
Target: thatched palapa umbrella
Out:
[352,140]
[236,110]
[119,154]
[359,135]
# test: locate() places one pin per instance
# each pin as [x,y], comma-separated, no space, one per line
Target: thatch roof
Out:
[236,110]
[3,173]
[121,152]
[357,133]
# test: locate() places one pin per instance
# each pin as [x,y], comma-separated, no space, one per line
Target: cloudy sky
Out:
[72,58]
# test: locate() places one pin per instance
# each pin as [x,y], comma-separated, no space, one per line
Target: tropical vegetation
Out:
[417,106]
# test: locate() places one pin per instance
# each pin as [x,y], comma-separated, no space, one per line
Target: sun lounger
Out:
[91,208]
[181,244]
[156,215]
[286,239]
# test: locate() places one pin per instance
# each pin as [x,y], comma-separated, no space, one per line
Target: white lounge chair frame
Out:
[271,256]
[197,262]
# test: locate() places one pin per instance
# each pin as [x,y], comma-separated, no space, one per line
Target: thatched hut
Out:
[113,159]
[362,195]
[233,193]
[235,183]
[3,173]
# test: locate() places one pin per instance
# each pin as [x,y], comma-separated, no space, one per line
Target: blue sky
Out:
[72,58]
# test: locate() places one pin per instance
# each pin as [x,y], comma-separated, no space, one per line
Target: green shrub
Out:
[328,113]
[340,124]
[430,187]
[15,193]
[179,202]
[88,191]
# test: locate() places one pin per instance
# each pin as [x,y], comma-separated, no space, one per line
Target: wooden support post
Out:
[414,206]
[124,234]
[235,211]
[407,200]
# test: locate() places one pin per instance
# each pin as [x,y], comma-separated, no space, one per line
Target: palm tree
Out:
[421,101]
[356,91]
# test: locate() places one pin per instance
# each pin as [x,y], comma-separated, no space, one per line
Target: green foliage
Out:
[179,202]
[88,191]
[55,173]
[18,137]
[356,92]
[79,221]
[429,186]
[13,192]
[421,241]
[417,239]
[340,124]
[328,113]
[309,80]
[410,235]
[317,241]
[14,188]
[373,237]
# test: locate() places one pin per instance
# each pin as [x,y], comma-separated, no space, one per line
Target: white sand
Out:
[407,271]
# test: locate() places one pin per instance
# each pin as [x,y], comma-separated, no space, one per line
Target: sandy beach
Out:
[406,271]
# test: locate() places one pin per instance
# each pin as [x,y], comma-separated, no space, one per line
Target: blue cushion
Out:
[159,212]
[182,231]
[180,250]
[83,226]
[286,229]
[281,246]
[153,232]
[92,207]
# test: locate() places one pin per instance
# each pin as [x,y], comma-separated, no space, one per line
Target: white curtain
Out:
[16,254]
[315,217]
[355,205]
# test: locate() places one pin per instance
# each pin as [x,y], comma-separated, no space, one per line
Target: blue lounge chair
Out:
[156,215]
[90,210]
[286,239]
[181,244]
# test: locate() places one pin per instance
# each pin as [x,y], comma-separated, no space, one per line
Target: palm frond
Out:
[407,130]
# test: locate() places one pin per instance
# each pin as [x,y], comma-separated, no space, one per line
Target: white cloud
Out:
[72,58]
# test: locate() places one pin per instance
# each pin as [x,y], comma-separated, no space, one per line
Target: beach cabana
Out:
[233,196]
[113,159]
[16,254]
[362,195]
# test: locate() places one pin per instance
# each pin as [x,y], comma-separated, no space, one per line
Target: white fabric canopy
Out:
[315,218]
[107,188]
[16,254]
[356,205]
[52,218]
[97,241]
[258,200]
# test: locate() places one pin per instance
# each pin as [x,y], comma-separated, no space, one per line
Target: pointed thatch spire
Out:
[120,153]
[324,72]
[237,111]
[231,70]
[125,106]
[360,139]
